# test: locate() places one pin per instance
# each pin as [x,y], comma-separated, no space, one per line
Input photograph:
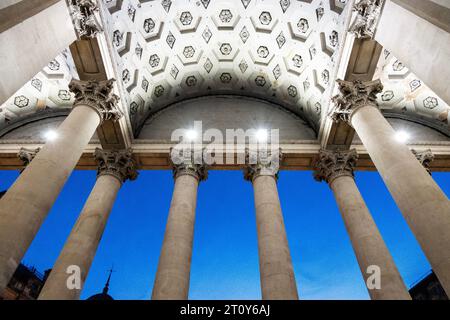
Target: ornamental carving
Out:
[265,18]
[188,162]
[97,95]
[83,16]
[335,164]
[225,16]
[292,91]
[186,18]
[303,25]
[262,163]
[366,20]
[425,158]
[119,164]
[21,101]
[354,95]
[27,155]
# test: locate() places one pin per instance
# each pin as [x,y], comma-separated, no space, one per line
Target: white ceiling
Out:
[282,51]
[405,94]
[46,90]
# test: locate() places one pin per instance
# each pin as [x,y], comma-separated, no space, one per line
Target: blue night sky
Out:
[225,257]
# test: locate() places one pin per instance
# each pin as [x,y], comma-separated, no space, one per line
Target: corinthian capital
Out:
[119,164]
[189,162]
[425,158]
[97,95]
[27,155]
[354,95]
[83,17]
[259,163]
[366,19]
[334,164]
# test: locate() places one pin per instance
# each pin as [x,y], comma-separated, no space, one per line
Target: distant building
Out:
[104,295]
[429,288]
[25,284]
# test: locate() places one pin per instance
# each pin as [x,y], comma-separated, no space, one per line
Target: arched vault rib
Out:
[33,118]
[440,127]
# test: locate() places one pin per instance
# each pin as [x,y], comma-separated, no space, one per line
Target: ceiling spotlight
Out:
[191,134]
[261,135]
[50,135]
[402,136]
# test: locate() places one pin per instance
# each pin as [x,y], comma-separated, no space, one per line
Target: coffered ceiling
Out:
[408,97]
[282,51]
[286,52]
[46,91]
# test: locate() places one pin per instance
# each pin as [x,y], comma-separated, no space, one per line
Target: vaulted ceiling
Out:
[284,51]
[46,91]
[408,97]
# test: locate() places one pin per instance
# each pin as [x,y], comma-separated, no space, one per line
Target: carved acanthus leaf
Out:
[354,95]
[425,158]
[188,162]
[334,164]
[119,164]
[27,155]
[366,19]
[98,95]
[262,163]
[84,19]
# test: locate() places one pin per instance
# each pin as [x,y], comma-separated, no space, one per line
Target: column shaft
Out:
[172,276]
[276,271]
[423,204]
[367,242]
[26,204]
[81,246]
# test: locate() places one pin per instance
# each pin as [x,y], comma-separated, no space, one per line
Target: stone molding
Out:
[98,95]
[366,20]
[260,163]
[83,16]
[425,158]
[119,164]
[354,95]
[335,164]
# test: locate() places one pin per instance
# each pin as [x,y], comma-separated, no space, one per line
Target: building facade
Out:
[428,288]
[25,284]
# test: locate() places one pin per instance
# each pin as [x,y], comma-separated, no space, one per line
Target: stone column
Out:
[26,204]
[275,263]
[336,168]
[174,267]
[423,204]
[114,168]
